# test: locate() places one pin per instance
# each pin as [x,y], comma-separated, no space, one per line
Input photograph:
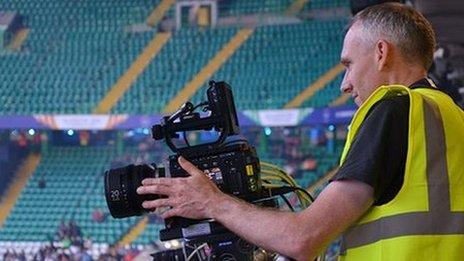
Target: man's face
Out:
[361,75]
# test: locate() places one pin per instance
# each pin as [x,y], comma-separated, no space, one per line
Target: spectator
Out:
[42,182]
[62,230]
[84,137]
[309,164]
[22,140]
[98,215]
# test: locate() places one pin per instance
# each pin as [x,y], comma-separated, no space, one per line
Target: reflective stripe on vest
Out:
[439,220]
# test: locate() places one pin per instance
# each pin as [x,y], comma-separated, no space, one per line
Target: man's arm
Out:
[298,235]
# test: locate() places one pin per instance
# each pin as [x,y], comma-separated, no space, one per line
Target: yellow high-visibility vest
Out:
[425,220]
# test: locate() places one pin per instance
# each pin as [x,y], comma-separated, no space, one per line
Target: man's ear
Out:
[383,53]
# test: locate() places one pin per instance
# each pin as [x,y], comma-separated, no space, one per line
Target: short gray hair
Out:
[402,25]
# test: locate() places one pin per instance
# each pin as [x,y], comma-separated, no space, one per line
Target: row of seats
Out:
[74,54]
[188,51]
[150,234]
[71,78]
[87,12]
[278,62]
[271,68]
[70,66]
[73,190]
[246,7]
[321,4]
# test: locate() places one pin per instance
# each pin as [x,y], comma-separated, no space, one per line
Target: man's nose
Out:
[346,87]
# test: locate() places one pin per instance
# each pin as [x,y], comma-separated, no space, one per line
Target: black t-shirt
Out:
[377,155]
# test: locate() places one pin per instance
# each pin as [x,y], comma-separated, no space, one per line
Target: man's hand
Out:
[191,197]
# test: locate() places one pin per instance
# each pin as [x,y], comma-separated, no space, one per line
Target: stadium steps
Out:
[342,99]
[129,77]
[134,232]
[158,13]
[213,65]
[296,7]
[18,40]
[319,84]
[19,182]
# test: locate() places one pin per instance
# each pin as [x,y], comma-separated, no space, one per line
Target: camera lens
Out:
[121,189]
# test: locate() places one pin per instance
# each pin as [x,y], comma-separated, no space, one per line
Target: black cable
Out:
[288,203]
[288,189]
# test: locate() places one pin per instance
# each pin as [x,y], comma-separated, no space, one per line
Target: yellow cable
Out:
[284,176]
[281,173]
[302,197]
[277,174]
[272,166]
[276,170]
[270,177]
[271,186]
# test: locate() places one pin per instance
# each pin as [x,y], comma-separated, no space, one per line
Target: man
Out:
[400,172]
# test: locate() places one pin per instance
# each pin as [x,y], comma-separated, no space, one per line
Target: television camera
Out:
[232,164]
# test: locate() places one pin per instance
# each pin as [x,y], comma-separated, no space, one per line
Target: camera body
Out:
[234,168]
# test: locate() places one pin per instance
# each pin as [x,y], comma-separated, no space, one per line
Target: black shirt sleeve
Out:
[377,155]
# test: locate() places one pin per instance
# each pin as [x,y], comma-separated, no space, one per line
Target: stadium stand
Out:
[278,62]
[172,69]
[321,4]
[50,78]
[73,190]
[244,7]
[149,234]
[326,95]
[162,10]
[24,172]
[71,58]
[132,73]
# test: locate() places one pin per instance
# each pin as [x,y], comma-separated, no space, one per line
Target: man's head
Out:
[386,44]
